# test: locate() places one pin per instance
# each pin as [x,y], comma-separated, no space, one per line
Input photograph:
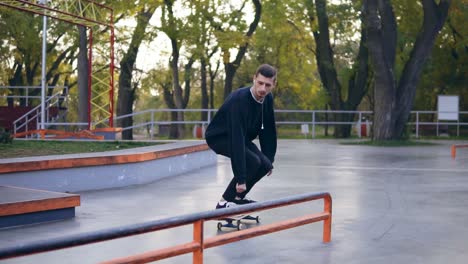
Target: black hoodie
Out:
[241,119]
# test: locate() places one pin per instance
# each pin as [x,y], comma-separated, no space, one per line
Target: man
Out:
[246,113]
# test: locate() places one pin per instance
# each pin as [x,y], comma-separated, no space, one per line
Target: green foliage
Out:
[205,27]
[28,148]
[283,40]
[447,71]
[5,137]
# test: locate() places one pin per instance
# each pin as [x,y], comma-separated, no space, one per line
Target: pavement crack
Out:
[384,233]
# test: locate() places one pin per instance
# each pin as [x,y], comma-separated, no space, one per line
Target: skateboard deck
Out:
[236,222]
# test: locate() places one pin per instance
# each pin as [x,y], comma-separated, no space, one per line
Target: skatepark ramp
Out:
[199,242]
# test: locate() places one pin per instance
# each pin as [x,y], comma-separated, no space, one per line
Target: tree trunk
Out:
[213,74]
[357,84]
[176,130]
[435,16]
[230,70]
[393,102]
[16,80]
[380,45]
[176,97]
[126,94]
[231,67]
[204,90]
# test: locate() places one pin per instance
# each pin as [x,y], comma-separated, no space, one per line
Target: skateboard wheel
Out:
[241,226]
[220,225]
[257,219]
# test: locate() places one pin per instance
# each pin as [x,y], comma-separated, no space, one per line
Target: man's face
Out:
[262,86]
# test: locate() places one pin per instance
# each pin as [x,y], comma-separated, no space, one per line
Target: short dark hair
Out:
[267,71]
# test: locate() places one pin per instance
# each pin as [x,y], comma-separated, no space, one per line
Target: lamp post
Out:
[43,73]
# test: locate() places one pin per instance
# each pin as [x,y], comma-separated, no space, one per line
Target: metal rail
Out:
[453,149]
[199,243]
[419,119]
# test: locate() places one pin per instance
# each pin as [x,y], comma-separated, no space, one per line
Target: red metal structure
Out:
[93,16]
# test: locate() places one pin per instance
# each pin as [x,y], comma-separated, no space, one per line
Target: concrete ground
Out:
[390,205]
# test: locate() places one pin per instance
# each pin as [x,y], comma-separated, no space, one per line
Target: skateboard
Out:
[236,222]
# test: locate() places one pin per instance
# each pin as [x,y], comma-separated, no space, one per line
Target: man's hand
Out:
[270,172]
[241,188]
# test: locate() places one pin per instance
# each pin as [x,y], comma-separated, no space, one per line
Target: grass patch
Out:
[390,143]
[28,148]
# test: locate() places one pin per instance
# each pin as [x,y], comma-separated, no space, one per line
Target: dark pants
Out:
[257,165]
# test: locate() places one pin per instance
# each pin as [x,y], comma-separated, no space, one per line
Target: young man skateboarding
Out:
[247,113]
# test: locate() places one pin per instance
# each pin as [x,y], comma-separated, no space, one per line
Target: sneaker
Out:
[224,204]
[245,200]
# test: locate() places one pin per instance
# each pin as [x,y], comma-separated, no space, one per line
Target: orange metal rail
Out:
[199,243]
[454,149]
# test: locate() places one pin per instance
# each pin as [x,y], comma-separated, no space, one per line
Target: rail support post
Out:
[454,151]
[327,222]
[198,237]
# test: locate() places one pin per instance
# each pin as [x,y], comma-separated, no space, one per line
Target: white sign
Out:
[447,107]
[305,129]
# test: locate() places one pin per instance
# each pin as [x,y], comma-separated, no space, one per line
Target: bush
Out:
[5,137]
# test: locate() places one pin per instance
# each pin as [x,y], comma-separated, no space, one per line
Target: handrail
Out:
[36,111]
[197,219]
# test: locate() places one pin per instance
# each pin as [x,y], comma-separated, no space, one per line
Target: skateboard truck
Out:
[236,222]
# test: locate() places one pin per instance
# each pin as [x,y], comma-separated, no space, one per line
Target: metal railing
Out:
[34,115]
[5,92]
[419,120]
[424,119]
[309,121]
[199,242]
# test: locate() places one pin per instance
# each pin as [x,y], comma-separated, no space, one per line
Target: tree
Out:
[356,80]
[282,40]
[395,96]
[127,89]
[22,36]
[233,35]
[179,31]
[446,71]
[204,48]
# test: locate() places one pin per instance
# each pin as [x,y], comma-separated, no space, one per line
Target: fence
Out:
[156,122]
[305,121]
[199,242]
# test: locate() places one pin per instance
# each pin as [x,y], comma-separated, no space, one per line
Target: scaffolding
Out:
[95,17]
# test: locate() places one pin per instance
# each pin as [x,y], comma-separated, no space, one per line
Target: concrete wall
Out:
[94,177]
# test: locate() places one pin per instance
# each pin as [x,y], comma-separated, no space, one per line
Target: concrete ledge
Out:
[103,170]
[20,206]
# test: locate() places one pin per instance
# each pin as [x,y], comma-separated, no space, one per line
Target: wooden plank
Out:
[15,200]
[97,160]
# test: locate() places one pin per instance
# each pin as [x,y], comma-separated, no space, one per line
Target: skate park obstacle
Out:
[199,242]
